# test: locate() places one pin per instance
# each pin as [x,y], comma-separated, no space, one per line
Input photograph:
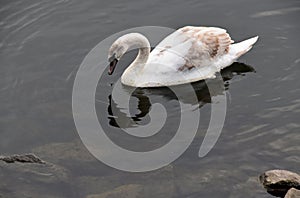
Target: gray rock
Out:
[25,158]
[292,193]
[278,182]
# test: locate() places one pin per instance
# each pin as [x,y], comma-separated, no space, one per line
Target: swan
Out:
[187,55]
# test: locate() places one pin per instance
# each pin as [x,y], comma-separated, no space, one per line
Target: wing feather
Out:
[215,40]
[204,44]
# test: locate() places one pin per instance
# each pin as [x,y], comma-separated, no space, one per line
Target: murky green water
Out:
[42,44]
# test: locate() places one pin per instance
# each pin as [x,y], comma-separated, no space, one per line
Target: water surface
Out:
[42,44]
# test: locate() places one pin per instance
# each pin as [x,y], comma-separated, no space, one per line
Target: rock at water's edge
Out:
[25,158]
[278,182]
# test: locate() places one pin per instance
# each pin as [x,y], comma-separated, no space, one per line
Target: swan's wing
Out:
[212,40]
[193,46]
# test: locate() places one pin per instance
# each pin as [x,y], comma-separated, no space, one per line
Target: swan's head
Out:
[116,51]
[124,43]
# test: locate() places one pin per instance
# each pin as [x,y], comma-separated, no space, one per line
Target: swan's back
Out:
[191,54]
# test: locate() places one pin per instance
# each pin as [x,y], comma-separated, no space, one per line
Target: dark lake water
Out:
[42,44]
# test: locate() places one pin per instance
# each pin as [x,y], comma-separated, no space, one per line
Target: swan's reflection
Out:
[146,96]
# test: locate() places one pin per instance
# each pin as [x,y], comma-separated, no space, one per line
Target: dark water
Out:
[42,44]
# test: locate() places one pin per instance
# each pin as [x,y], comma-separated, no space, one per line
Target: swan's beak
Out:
[112,66]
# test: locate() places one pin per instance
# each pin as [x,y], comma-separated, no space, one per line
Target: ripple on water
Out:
[23,18]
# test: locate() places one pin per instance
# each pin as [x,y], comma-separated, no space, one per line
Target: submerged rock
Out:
[32,180]
[130,185]
[292,193]
[278,182]
[125,191]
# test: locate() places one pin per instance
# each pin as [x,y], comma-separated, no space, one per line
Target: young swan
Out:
[187,55]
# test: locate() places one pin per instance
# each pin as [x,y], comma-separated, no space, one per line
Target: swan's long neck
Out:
[136,41]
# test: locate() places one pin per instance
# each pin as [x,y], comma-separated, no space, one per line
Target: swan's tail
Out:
[238,49]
